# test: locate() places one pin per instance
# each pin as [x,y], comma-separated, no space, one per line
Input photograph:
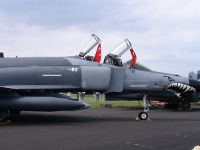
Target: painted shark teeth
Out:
[180,88]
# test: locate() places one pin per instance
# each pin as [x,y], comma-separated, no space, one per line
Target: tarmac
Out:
[104,128]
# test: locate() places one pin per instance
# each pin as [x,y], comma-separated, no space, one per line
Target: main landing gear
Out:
[146,104]
[181,104]
[6,116]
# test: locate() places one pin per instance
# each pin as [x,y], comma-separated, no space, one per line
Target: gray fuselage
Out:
[75,74]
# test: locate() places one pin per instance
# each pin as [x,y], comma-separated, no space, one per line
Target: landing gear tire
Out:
[7,115]
[4,117]
[143,115]
[15,113]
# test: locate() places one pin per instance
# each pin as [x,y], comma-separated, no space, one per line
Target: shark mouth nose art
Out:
[180,88]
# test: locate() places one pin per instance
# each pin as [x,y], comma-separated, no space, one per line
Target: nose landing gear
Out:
[143,115]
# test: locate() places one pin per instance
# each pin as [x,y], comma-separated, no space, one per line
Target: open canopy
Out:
[121,48]
[114,58]
[90,45]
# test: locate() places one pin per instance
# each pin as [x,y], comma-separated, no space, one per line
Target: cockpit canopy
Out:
[121,48]
[113,58]
[89,46]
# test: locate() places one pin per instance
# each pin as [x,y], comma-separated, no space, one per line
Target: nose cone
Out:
[195,83]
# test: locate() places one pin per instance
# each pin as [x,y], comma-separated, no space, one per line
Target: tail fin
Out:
[198,75]
[1,55]
[193,75]
[97,57]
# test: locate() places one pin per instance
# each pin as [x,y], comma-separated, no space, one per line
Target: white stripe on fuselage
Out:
[52,75]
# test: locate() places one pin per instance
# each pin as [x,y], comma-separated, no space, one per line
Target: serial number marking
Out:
[73,69]
[134,86]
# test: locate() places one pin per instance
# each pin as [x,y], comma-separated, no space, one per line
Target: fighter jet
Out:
[37,83]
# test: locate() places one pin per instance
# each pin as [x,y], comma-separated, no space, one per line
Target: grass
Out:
[196,103]
[91,100]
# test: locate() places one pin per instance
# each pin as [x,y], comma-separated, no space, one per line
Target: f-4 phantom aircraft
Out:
[37,84]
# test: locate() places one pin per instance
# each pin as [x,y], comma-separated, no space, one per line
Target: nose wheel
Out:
[143,115]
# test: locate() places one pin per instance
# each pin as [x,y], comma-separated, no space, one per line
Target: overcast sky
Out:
[165,34]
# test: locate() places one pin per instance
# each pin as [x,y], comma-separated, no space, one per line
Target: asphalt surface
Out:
[104,128]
